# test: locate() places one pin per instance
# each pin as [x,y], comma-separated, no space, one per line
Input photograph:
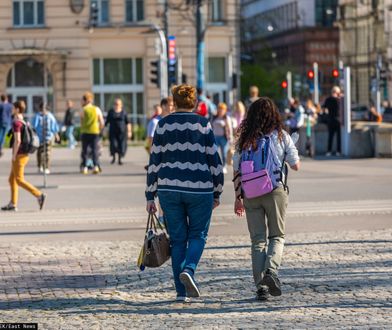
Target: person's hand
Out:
[151,207]
[239,207]
[13,158]
[57,138]
[216,203]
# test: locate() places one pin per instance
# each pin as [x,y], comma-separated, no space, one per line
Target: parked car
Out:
[387,116]
[359,113]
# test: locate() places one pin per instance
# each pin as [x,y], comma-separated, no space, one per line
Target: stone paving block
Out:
[329,280]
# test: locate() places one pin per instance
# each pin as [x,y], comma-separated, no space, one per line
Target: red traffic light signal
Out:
[310,74]
[335,73]
[284,84]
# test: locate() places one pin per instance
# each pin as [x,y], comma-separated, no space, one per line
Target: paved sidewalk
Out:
[330,280]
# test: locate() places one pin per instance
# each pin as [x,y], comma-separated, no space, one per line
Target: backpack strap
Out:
[265,151]
[284,170]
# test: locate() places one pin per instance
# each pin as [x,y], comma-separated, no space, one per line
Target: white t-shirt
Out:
[286,146]
[152,125]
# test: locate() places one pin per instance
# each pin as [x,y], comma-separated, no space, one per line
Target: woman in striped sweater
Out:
[185,172]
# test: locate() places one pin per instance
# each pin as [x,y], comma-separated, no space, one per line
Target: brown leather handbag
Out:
[156,248]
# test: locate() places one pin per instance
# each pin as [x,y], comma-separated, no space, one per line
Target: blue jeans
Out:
[224,147]
[188,219]
[69,133]
[3,132]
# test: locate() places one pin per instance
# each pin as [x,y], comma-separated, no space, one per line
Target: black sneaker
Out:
[262,294]
[271,280]
[41,201]
[192,291]
[10,208]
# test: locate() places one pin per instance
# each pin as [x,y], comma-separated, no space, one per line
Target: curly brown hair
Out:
[261,119]
[184,96]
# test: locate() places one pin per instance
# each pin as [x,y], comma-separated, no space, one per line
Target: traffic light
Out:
[156,73]
[184,78]
[172,73]
[335,73]
[383,74]
[234,81]
[284,84]
[172,60]
[94,15]
[310,74]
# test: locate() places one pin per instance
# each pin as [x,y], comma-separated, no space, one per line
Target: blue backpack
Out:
[260,169]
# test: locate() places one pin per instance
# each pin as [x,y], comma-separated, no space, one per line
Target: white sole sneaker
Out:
[183,299]
[191,288]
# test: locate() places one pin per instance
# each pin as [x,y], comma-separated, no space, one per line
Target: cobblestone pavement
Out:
[330,280]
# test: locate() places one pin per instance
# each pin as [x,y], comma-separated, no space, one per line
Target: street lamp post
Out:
[347,110]
[289,78]
[200,45]
[316,83]
[378,77]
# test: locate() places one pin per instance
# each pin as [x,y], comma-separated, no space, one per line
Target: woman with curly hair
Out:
[265,214]
[185,173]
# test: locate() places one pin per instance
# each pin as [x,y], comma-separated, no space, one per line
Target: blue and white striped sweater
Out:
[184,157]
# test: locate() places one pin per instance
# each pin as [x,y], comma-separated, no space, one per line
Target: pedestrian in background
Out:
[151,126]
[374,116]
[223,131]
[167,106]
[205,107]
[266,214]
[253,96]
[186,173]
[47,129]
[69,124]
[91,125]
[120,130]
[312,110]
[296,117]
[332,105]
[5,119]
[20,159]
[238,115]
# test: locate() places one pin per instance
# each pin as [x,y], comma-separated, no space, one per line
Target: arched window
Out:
[29,73]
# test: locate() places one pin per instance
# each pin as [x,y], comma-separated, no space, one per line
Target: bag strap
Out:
[264,152]
[152,222]
[284,169]
[148,222]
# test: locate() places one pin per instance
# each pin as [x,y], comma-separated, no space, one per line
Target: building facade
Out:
[362,27]
[297,33]
[388,42]
[50,52]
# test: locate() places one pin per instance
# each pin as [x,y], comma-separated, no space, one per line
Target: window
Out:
[103,11]
[216,70]
[120,78]
[29,73]
[28,13]
[216,11]
[134,10]
[326,12]
[216,78]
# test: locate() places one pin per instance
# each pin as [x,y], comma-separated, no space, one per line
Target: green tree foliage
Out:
[268,80]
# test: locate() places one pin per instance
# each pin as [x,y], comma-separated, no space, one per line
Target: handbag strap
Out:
[152,223]
[158,222]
